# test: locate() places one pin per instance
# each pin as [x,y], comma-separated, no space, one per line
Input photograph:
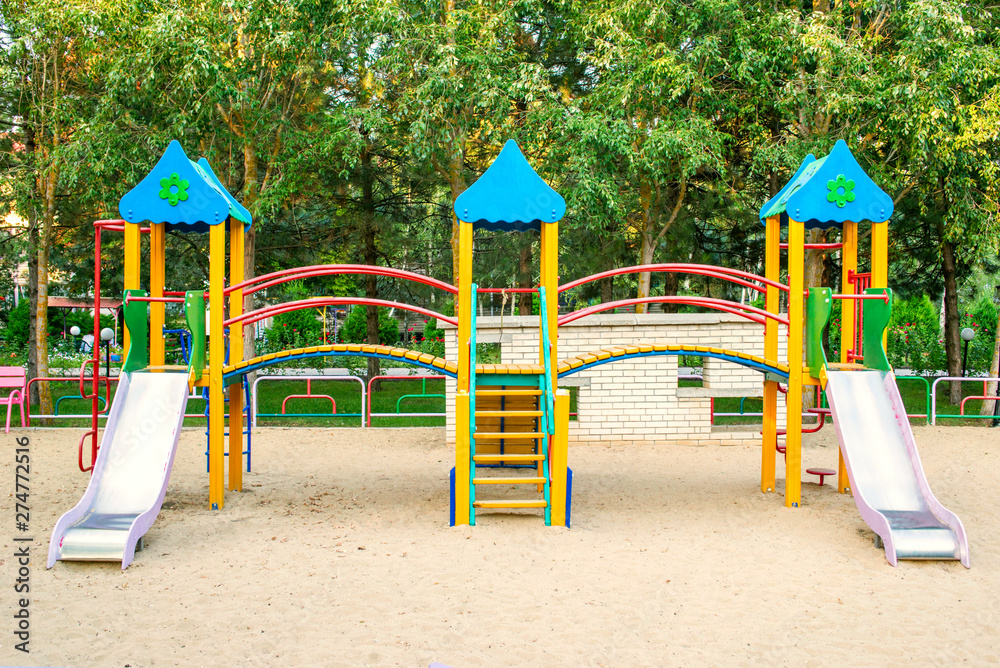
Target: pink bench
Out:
[13,377]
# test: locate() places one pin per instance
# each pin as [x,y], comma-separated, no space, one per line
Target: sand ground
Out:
[338,553]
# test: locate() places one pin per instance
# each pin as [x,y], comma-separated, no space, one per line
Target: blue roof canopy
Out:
[509,196]
[185,195]
[829,191]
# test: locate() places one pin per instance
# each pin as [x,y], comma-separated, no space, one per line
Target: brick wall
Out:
[637,401]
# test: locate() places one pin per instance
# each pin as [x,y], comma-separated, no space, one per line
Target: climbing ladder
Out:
[511,428]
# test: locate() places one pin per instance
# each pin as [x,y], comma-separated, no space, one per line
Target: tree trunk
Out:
[33,300]
[648,241]
[952,339]
[607,289]
[457,184]
[814,263]
[671,285]
[525,273]
[645,257]
[48,192]
[991,388]
[251,190]
[370,255]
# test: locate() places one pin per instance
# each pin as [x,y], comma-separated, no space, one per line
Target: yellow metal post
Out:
[558,460]
[849,266]
[464,303]
[772,271]
[793,399]
[236,356]
[550,281]
[132,268]
[462,417]
[880,262]
[462,454]
[157,311]
[216,353]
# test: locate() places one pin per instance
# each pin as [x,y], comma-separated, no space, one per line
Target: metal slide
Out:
[886,477]
[130,475]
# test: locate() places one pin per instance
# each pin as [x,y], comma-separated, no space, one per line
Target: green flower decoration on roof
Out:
[841,190]
[175,188]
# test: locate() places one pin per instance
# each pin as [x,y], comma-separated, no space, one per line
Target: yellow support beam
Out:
[880,262]
[133,271]
[462,308]
[216,357]
[550,281]
[849,266]
[558,460]
[157,310]
[462,459]
[772,271]
[236,246]
[793,399]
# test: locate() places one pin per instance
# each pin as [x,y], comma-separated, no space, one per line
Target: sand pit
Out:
[338,553]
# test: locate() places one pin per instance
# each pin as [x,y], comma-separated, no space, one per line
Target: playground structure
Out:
[511,420]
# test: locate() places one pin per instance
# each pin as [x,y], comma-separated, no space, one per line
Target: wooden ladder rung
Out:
[510,436]
[507,414]
[508,481]
[489,459]
[500,503]
[508,393]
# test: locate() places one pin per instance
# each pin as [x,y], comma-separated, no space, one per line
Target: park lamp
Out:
[106,335]
[967,335]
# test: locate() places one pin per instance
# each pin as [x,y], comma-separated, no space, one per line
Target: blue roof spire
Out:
[510,196]
[183,194]
[829,191]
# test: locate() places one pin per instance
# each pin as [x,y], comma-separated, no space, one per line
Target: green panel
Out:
[550,425]
[136,316]
[876,312]
[194,313]
[819,305]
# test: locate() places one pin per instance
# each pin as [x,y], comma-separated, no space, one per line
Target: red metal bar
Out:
[375,378]
[309,395]
[257,283]
[116,226]
[749,312]
[174,293]
[884,297]
[736,276]
[861,282]
[95,349]
[161,300]
[268,311]
[511,290]
[79,456]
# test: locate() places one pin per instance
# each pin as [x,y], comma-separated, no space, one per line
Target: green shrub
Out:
[915,340]
[355,328]
[295,329]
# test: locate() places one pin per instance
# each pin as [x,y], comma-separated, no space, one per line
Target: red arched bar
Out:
[257,283]
[277,309]
[749,312]
[736,276]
